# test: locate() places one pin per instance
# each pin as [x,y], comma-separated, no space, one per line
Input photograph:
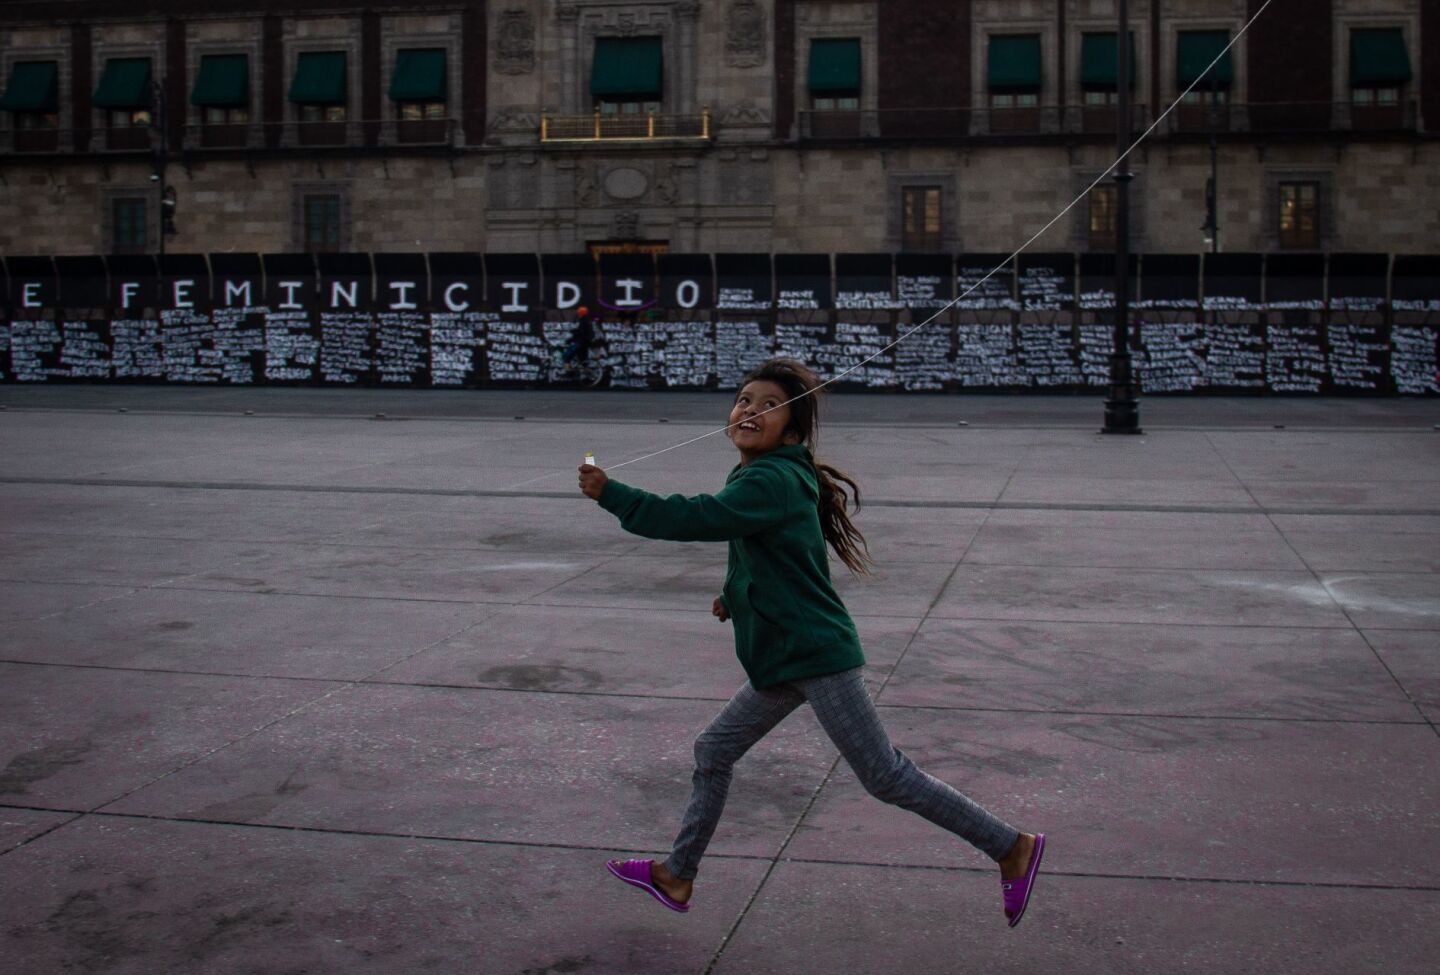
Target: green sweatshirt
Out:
[789,622]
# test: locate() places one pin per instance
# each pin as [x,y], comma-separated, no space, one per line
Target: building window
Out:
[1299,215]
[129,118]
[418,87]
[1014,71]
[1379,71]
[33,95]
[222,93]
[921,219]
[627,76]
[129,228]
[1102,234]
[322,223]
[320,92]
[1099,77]
[835,74]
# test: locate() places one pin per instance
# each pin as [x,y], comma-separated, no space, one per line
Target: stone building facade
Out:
[705,126]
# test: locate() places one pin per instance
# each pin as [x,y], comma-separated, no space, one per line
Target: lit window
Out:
[1300,215]
[1103,223]
[921,230]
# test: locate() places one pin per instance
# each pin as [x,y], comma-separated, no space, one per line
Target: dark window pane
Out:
[129,232]
[322,223]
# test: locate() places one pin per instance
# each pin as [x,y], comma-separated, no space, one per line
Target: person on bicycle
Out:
[582,337]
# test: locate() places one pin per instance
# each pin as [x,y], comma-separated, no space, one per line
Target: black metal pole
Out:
[1214,200]
[158,147]
[1122,411]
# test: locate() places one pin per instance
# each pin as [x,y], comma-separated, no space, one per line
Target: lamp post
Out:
[1211,228]
[1122,411]
[159,160]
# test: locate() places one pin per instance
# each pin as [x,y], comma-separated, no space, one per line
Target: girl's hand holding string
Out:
[721,613]
[592,480]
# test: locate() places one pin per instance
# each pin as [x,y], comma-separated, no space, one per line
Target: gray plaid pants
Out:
[848,716]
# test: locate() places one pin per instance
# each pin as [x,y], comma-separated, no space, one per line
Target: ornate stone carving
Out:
[626,183]
[587,194]
[527,122]
[745,34]
[745,113]
[626,225]
[666,190]
[515,42]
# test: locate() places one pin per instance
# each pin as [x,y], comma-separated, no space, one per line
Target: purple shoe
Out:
[637,874]
[1018,891]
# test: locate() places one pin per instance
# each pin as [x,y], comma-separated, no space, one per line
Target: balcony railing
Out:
[254,135]
[601,127]
[959,123]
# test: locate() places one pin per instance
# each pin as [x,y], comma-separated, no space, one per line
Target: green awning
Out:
[1379,57]
[1015,62]
[125,84]
[319,78]
[223,82]
[419,76]
[1194,51]
[34,87]
[1097,60]
[627,67]
[835,65]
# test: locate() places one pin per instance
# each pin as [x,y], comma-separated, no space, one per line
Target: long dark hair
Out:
[799,384]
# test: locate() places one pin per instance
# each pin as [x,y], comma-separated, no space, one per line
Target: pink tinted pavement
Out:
[306,692]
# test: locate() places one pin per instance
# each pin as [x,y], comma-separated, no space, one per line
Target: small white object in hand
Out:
[589,458]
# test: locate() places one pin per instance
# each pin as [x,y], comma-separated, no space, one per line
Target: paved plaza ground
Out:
[287,686]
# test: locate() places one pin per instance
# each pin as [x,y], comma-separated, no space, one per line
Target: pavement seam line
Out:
[732,857]
[377,681]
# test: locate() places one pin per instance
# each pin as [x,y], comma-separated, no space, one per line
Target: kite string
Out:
[993,271]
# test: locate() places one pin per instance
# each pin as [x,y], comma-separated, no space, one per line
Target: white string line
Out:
[1036,236]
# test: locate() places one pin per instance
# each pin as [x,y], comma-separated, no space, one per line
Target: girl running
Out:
[778,510]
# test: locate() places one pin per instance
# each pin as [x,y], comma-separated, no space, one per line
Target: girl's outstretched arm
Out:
[753,501]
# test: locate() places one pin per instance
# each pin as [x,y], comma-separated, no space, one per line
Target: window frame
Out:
[923,240]
[1291,238]
[134,203]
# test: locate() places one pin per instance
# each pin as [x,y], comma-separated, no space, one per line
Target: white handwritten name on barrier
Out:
[1171,361]
[1047,356]
[1234,355]
[803,341]
[797,299]
[854,343]
[985,355]
[687,355]
[862,300]
[35,350]
[1045,289]
[631,351]
[1358,354]
[926,360]
[240,343]
[1294,360]
[85,353]
[345,354]
[189,343]
[1413,360]
[292,349]
[921,291]
[456,342]
[5,372]
[137,348]
[739,347]
[741,299]
[1097,344]
[402,354]
[517,351]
